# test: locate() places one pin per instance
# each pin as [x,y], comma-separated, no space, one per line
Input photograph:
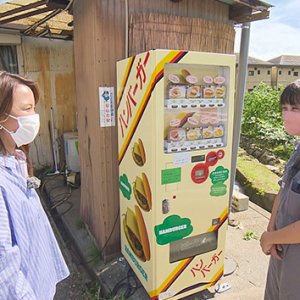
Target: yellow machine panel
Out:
[175,117]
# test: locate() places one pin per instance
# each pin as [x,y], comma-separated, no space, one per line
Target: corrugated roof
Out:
[49,18]
[286,60]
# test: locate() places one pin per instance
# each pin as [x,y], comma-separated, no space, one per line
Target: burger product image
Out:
[177,91]
[193,134]
[218,131]
[209,89]
[138,153]
[177,135]
[142,192]
[207,132]
[136,233]
[194,91]
[220,92]
[209,92]
[220,88]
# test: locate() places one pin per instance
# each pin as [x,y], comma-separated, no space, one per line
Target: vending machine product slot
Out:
[193,246]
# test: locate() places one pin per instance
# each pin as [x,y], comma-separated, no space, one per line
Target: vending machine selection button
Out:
[220,153]
[212,158]
[199,173]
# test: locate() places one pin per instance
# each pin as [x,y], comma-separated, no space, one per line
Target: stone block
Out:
[240,201]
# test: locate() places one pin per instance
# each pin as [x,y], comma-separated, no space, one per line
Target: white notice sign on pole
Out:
[107,106]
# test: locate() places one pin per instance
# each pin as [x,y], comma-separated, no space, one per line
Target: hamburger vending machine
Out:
[175,123]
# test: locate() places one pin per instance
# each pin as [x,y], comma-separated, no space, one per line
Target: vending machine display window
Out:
[196,107]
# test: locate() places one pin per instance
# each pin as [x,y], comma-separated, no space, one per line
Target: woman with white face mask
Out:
[31,263]
[282,239]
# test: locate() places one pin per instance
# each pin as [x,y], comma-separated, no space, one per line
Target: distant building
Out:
[287,69]
[277,71]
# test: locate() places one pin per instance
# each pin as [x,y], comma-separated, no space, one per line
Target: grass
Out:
[257,175]
[259,183]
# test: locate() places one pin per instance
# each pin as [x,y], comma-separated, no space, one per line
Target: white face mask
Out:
[28,129]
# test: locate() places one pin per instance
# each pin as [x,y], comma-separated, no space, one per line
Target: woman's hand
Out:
[268,248]
[276,252]
[265,244]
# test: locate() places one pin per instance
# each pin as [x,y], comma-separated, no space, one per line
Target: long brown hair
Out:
[8,83]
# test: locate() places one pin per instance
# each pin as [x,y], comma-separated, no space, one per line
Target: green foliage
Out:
[262,120]
[249,235]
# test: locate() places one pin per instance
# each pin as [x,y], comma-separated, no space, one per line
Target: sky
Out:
[278,35]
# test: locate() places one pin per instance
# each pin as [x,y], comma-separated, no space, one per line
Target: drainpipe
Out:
[126,28]
[239,100]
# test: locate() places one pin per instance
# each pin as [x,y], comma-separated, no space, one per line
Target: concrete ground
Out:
[243,256]
[248,280]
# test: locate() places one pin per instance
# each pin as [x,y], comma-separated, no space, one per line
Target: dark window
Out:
[258,72]
[279,72]
[269,72]
[289,72]
[295,73]
[8,59]
[251,73]
[255,69]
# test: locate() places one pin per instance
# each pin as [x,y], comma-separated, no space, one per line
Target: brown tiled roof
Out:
[286,60]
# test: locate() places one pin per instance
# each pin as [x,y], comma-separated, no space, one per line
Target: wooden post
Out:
[99,38]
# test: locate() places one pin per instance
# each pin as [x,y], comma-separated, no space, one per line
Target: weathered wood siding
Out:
[205,9]
[161,31]
[98,44]
[186,25]
[51,64]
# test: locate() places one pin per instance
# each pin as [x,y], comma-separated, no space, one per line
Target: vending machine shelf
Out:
[172,146]
[193,103]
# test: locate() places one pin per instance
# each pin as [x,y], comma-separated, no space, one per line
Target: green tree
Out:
[262,121]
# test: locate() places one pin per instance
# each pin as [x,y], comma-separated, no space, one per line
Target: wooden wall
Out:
[51,64]
[99,41]
[98,44]
[206,9]
[160,31]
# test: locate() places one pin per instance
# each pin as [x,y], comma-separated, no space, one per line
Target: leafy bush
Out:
[262,121]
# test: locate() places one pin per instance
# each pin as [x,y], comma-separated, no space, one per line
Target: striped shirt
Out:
[31,263]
